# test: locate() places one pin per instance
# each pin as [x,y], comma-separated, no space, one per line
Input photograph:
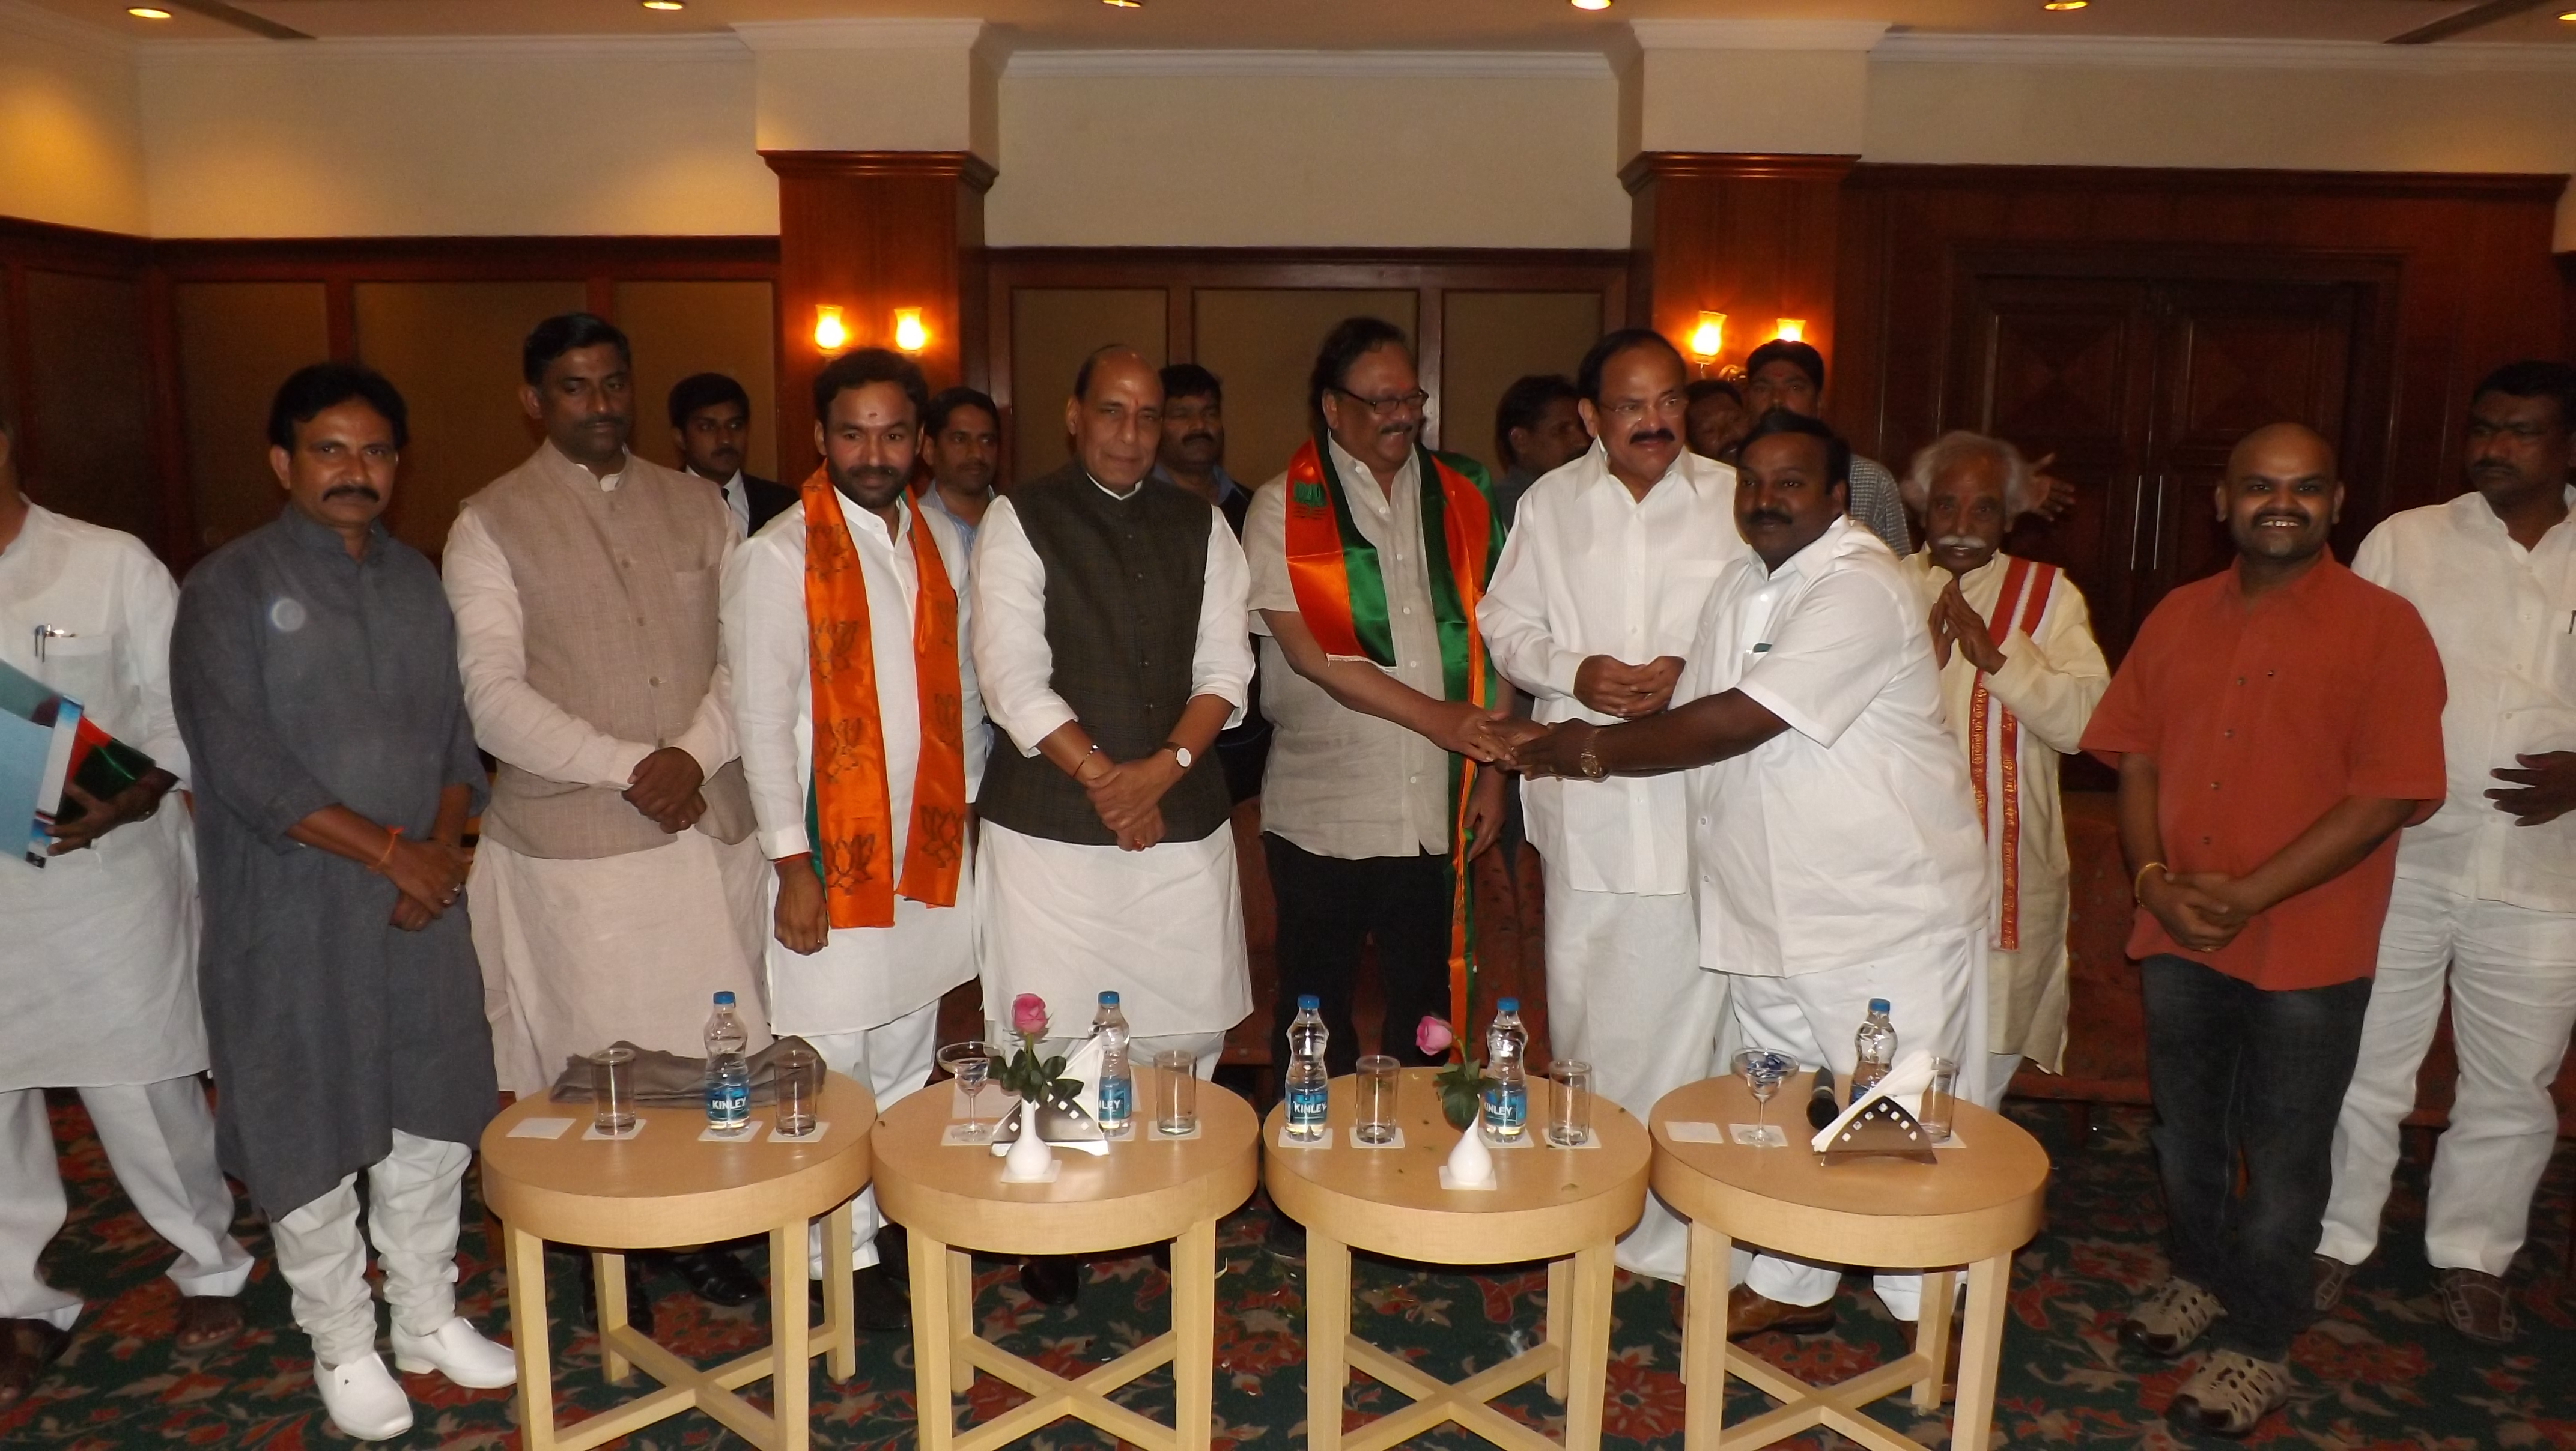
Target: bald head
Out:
[2280,498]
[1116,416]
[2282,449]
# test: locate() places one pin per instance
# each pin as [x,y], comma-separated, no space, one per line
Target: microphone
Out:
[1823,1107]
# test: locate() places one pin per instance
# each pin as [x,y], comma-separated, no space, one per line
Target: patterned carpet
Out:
[2384,1372]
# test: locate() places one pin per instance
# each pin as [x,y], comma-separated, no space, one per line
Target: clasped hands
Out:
[664,786]
[1127,796]
[430,875]
[1956,624]
[2200,910]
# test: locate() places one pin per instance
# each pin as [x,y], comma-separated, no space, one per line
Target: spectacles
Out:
[1628,410]
[1385,407]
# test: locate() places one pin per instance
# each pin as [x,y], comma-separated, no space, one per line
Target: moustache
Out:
[1201,436]
[1392,429]
[1771,517]
[1960,541]
[353,491]
[1651,435]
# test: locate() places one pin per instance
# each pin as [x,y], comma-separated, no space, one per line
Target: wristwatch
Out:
[1588,763]
[1180,753]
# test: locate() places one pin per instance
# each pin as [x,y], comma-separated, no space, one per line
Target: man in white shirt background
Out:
[616,887]
[2485,898]
[861,980]
[961,432]
[1835,841]
[710,425]
[1591,612]
[100,947]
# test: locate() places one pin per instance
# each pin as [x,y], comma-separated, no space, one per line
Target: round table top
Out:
[1979,1200]
[666,1185]
[1547,1202]
[1146,1188]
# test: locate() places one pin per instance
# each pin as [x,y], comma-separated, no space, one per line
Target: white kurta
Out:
[862,977]
[2052,678]
[100,948]
[1164,926]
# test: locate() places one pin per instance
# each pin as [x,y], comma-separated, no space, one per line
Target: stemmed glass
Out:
[970,1064]
[1762,1071]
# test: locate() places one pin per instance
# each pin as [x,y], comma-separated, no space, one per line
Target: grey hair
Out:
[2021,493]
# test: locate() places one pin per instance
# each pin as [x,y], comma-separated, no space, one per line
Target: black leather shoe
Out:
[877,1303]
[1051,1279]
[1285,1239]
[716,1277]
[639,1300]
[894,1253]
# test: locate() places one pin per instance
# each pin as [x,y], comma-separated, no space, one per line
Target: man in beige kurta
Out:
[2020,675]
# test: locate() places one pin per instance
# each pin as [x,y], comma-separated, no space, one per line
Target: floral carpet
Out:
[2383,1372]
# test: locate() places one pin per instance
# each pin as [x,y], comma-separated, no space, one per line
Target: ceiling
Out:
[1342,24]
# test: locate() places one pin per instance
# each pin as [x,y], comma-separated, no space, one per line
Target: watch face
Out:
[1182,755]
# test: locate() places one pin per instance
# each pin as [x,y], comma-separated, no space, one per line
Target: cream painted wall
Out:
[262,140]
[1268,160]
[71,133]
[1802,101]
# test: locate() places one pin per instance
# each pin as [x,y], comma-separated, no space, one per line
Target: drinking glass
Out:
[970,1064]
[1762,1071]
[800,1083]
[1569,1104]
[1375,1121]
[1176,1093]
[1940,1101]
[612,1091]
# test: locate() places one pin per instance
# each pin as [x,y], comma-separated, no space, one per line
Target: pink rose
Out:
[1432,1035]
[1029,1015]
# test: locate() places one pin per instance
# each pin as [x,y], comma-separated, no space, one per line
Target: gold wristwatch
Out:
[1588,763]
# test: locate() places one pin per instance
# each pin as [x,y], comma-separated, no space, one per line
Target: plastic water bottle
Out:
[1117,1080]
[1874,1048]
[1506,1054]
[1306,1076]
[728,1074]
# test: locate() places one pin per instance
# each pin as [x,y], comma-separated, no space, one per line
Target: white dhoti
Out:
[1626,994]
[1162,927]
[414,1194]
[579,953]
[1936,1000]
[894,1061]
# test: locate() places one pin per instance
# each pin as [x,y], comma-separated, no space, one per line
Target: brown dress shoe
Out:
[1749,1313]
[2478,1306]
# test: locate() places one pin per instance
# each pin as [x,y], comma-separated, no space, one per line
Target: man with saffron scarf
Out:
[1368,558]
[844,627]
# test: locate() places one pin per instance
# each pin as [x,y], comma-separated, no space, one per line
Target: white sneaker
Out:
[459,1352]
[363,1398]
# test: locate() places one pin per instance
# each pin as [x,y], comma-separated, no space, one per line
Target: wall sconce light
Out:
[1709,336]
[1791,330]
[829,332]
[909,335]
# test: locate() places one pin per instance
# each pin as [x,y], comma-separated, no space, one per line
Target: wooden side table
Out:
[1147,1188]
[1565,1206]
[1975,1207]
[666,1187]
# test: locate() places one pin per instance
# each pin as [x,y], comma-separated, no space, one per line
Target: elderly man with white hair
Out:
[2020,675]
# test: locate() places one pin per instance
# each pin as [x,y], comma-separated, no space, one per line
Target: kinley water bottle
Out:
[1506,1052]
[1873,1048]
[1305,1088]
[728,1074]
[1117,1082]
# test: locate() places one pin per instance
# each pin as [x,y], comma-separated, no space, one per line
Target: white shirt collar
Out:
[1811,562]
[607,485]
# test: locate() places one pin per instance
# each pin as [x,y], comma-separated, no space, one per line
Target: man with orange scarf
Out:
[862,741]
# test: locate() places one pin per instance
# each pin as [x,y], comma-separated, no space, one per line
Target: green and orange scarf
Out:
[1341,593]
[848,810]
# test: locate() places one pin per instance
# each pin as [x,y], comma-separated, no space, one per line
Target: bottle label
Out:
[728,1103]
[1117,1100]
[1307,1106]
[1506,1108]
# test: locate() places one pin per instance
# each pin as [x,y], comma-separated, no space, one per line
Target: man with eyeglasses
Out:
[1592,610]
[1368,557]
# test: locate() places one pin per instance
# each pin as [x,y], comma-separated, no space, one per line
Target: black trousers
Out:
[2237,1069]
[1328,907]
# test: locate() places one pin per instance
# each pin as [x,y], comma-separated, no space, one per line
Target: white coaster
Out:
[1054,1167]
[751,1131]
[541,1128]
[1952,1142]
[1285,1142]
[1394,1143]
[1157,1133]
[781,1136]
[593,1134]
[1468,1188]
[953,1136]
[1695,1133]
[1757,1136]
[1591,1140]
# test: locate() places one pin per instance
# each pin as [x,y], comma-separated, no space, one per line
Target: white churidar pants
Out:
[1626,994]
[893,1060]
[414,1193]
[1936,999]
[2512,974]
[160,1140]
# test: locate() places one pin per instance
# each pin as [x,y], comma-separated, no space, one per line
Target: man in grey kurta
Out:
[314,675]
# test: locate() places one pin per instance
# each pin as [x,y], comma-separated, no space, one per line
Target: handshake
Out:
[1630,692]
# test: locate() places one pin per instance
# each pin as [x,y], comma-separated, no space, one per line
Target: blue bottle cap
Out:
[1508,1005]
[1109,1000]
[1309,1003]
[724,1000]
[1878,1005]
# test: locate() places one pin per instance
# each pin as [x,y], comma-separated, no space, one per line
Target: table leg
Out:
[1194,1335]
[1560,1328]
[931,1342]
[608,1271]
[961,1313]
[1328,1331]
[1981,1353]
[1590,1352]
[1704,1338]
[1932,1334]
[524,1261]
[791,1362]
[840,1305]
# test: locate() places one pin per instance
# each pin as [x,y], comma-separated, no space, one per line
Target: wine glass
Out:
[970,1064]
[1762,1071]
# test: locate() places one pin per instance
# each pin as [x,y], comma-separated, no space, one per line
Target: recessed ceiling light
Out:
[2065,4]
[1124,4]
[666,4]
[147,12]
[1591,4]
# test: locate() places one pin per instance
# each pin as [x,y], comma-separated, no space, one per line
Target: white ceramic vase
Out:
[1030,1157]
[1471,1164]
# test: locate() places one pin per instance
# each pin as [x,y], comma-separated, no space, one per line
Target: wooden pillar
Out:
[869,232]
[1747,235]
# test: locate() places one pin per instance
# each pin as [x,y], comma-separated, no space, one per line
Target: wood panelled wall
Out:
[79,328]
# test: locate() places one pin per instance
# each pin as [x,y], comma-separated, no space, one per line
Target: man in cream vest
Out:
[616,887]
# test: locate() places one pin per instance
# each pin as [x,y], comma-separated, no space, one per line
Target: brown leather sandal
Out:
[206,1321]
[2478,1306]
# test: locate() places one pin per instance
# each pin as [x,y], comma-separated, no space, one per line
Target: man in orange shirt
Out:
[2274,725]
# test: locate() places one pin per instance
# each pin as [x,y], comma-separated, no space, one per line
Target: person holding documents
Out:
[100,951]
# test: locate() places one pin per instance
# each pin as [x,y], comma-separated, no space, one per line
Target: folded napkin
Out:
[1906,1080]
[670,1080]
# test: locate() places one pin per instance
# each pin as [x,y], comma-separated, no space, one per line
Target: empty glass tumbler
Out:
[1176,1093]
[1375,1121]
[1569,1104]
